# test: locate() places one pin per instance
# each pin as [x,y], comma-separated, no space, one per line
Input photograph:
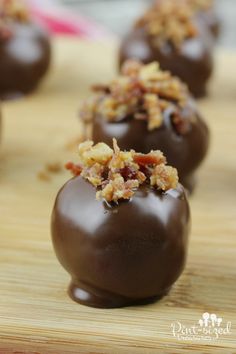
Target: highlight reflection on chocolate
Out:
[210,19]
[25,51]
[184,47]
[128,252]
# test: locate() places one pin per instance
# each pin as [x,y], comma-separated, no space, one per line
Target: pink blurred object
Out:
[60,20]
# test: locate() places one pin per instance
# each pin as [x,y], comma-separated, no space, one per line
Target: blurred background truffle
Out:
[175,34]
[111,13]
[25,50]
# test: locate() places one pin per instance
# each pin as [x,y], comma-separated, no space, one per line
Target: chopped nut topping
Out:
[163,177]
[200,5]
[169,20]
[11,10]
[142,92]
[118,174]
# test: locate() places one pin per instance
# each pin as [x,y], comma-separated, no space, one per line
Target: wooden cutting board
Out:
[36,315]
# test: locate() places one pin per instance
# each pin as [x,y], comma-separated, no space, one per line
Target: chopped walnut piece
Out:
[164,177]
[117,189]
[169,20]
[131,68]
[200,5]
[154,111]
[89,154]
[141,92]
[118,174]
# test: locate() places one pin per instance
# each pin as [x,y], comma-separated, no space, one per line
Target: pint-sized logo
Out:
[209,327]
[210,320]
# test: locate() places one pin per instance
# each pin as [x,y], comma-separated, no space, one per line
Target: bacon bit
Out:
[141,92]
[118,173]
[118,189]
[75,169]
[128,173]
[153,158]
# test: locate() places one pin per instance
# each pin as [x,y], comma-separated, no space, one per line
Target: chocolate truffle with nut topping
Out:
[170,33]
[146,108]
[120,226]
[24,50]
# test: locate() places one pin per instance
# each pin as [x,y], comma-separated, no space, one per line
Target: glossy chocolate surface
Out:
[0,128]
[185,152]
[24,59]
[210,19]
[120,255]
[192,62]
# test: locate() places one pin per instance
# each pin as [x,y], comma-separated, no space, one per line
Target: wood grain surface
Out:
[36,315]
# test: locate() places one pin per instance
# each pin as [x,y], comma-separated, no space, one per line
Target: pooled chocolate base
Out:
[93,297]
[185,152]
[121,254]
[192,62]
[24,59]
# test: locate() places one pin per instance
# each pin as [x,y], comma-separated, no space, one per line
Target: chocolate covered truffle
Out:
[120,227]
[170,33]
[24,50]
[146,108]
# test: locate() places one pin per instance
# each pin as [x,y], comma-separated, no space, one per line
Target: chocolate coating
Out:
[24,59]
[0,128]
[185,152]
[192,62]
[210,19]
[120,255]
